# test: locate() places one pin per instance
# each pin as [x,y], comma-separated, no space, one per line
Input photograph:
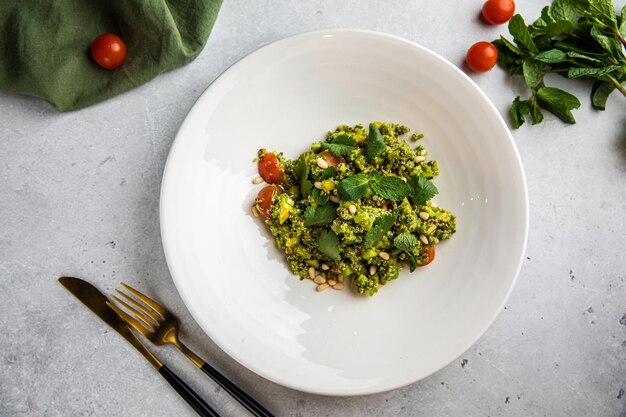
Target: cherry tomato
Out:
[482,56]
[430,251]
[108,50]
[498,12]
[269,169]
[265,199]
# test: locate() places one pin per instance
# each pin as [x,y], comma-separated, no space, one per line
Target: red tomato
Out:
[430,250]
[269,169]
[482,56]
[331,159]
[265,199]
[108,50]
[498,12]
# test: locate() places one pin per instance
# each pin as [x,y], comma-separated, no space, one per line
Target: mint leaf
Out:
[622,26]
[558,102]
[603,10]
[423,190]
[533,72]
[521,35]
[576,72]
[353,187]
[329,172]
[551,56]
[319,216]
[546,15]
[600,93]
[339,145]
[405,241]
[302,173]
[559,27]
[319,198]
[611,45]
[511,47]
[389,187]
[380,227]
[564,10]
[328,244]
[519,110]
[573,54]
[568,46]
[375,143]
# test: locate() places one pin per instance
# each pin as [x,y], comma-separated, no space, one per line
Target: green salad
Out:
[354,209]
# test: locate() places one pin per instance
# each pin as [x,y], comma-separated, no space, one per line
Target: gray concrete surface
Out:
[79,195]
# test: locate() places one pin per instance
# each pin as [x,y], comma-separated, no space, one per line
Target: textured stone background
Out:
[79,195]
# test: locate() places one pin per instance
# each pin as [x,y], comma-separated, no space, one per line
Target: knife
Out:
[95,301]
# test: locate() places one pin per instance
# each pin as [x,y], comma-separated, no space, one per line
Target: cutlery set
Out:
[160,327]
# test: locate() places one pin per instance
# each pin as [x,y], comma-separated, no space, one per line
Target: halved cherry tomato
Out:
[430,251]
[331,159]
[498,12]
[482,56]
[108,50]
[269,169]
[265,199]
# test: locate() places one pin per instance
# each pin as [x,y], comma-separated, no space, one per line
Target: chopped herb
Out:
[339,145]
[389,187]
[353,187]
[375,143]
[329,172]
[328,244]
[405,242]
[380,227]
[302,173]
[423,190]
[319,216]
[317,196]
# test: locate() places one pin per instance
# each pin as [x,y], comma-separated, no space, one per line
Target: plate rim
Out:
[166,178]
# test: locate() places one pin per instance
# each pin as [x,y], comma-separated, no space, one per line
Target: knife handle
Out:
[244,399]
[189,395]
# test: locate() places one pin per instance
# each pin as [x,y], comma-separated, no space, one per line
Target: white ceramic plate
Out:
[237,285]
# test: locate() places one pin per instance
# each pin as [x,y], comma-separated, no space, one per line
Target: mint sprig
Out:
[375,143]
[380,227]
[405,241]
[317,196]
[328,244]
[319,216]
[353,187]
[578,39]
[301,172]
[389,187]
[329,172]
[386,186]
[339,145]
[422,189]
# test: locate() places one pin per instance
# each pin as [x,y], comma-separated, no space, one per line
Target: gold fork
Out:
[160,327]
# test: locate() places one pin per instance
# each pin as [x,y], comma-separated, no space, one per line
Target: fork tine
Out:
[135,313]
[149,313]
[130,320]
[149,301]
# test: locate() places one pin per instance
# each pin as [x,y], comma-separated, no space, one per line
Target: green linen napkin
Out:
[44,45]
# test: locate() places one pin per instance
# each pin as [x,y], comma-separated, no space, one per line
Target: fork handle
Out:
[244,399]
[189,395]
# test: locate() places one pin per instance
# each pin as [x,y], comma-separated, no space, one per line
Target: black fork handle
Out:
[189,395]
[244,399]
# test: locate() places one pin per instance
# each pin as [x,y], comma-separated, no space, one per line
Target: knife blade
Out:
[95,301]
